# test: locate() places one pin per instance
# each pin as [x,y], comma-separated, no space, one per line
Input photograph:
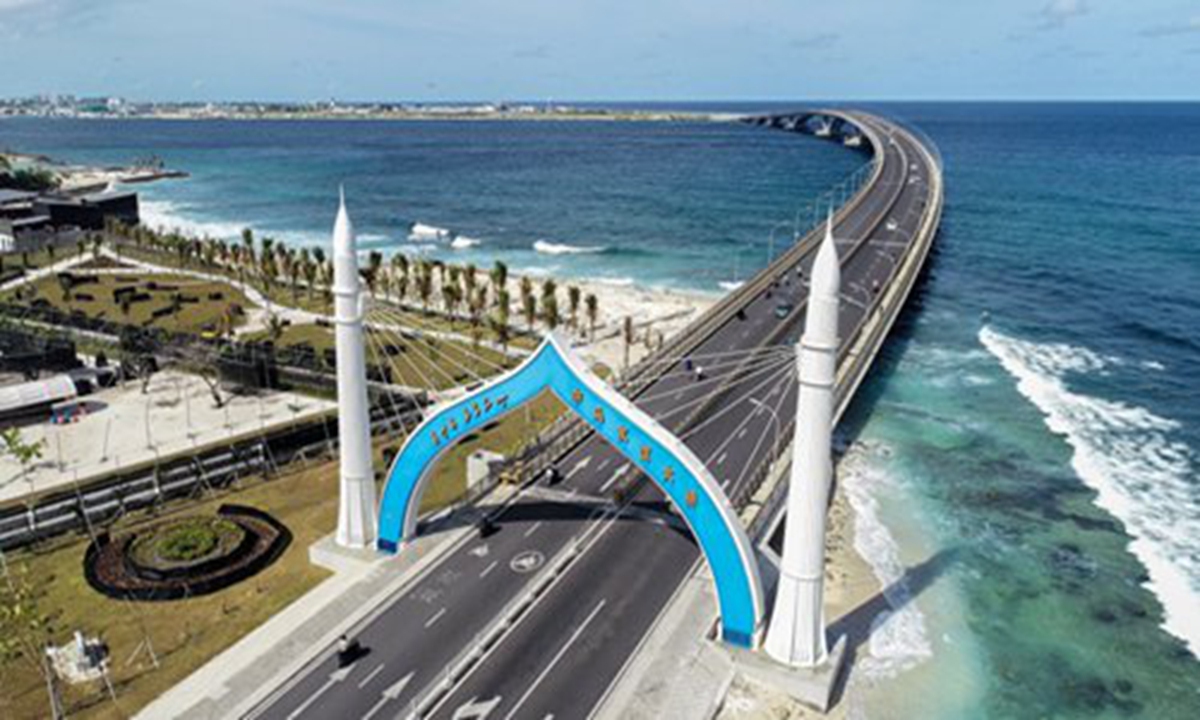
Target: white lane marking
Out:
[742,434]
[489,568]
[554,661]
[533,528]
[388,695]
[476,710]
[371,676]
[579,466]
[615,476]
[436,616]
[722,458]
[607,460]
[334,677]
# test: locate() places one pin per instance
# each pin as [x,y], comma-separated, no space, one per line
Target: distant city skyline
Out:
[302,50]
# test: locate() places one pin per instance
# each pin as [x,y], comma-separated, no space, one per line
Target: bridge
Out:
[542,617]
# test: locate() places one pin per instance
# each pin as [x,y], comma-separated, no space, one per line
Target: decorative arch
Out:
[647,444]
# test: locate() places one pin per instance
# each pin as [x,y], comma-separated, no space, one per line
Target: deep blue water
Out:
[1024,461]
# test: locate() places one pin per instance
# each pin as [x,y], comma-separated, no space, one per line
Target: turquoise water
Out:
[1039,408]
[1024,459]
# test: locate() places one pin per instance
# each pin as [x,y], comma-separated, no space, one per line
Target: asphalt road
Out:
[562,655]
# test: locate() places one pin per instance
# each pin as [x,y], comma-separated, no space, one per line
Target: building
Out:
[34,401]
[89,212]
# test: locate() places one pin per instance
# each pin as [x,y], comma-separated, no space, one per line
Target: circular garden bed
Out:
[187,556]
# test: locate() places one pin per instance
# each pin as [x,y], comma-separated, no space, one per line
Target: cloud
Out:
[1184,27]
[1057,13]
[819,40]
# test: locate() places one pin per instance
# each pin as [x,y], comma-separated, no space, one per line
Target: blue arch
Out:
[646,443]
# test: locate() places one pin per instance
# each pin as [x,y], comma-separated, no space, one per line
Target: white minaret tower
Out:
[357,521]
[796,635]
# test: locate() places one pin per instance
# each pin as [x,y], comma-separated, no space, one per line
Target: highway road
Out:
[564,651]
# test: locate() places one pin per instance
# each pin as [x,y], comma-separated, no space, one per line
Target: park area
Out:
[168,302]
[185,634]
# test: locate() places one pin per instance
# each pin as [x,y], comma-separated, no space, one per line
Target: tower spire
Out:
[796,635]
[357,520]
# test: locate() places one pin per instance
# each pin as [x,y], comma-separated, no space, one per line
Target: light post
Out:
[771,241]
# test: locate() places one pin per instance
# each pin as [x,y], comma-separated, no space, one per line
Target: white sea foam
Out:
[614,281]
[548,248]
[462,242]
[898,639]
[1127,455]
[421,232]
[731,285]
[167,216]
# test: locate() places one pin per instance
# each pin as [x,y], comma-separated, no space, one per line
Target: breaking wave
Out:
[1127,455]
[167,216]
[898,640]
[421,232]
[462,242]
[549,248]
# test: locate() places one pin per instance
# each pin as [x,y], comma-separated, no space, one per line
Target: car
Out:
[783,309]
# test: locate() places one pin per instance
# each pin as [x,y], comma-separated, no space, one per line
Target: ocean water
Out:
[687,205]
[1023,461]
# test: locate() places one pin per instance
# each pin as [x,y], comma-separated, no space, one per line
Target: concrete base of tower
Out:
[813,687]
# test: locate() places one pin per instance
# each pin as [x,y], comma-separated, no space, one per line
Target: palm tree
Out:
[425,284]
[500,320]
[451,296]
[247,247]
[592,307]
[573,295]
[629,338]
[400,273]
[308,269]
[499,276]
[526,290]
[371,273]
[500,326]
[266,261]
[550,311]
[529,308]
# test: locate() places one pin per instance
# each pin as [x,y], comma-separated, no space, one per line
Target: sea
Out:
[1024,462]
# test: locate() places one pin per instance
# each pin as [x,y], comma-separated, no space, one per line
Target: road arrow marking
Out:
[480,551]
[389,695]
[476,710]
[334,677]
[579,466]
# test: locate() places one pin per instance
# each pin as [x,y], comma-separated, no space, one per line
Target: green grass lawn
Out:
[207,314]
[317,301]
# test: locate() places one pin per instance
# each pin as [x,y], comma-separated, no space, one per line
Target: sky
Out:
[562,50]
